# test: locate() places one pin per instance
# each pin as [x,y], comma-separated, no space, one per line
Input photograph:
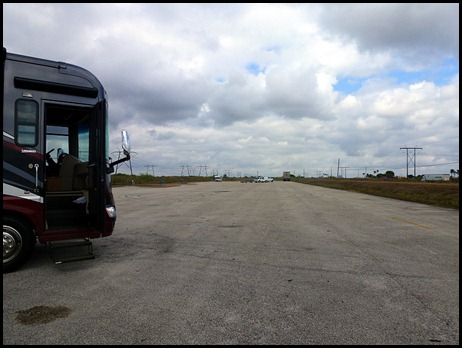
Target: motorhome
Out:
[56,165]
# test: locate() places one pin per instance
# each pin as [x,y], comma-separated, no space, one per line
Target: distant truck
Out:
[218,178]
[435,177]
[286,176]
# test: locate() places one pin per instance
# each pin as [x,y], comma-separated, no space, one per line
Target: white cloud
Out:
[263,87]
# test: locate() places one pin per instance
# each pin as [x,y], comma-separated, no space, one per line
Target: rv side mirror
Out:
[126,147]
[125,142]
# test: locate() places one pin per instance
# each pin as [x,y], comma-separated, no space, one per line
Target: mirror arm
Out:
[120,161]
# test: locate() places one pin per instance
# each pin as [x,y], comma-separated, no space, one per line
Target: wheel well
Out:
[20,217]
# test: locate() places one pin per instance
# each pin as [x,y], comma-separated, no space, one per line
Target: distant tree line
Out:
[389,174]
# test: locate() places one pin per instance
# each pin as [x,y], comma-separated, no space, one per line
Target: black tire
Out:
[18,244]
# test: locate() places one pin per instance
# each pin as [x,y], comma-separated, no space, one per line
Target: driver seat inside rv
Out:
[66,173]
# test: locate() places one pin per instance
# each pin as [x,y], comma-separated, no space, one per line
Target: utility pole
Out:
[118,157]
[147,168]
[345,170]
[130,161]
[411,159]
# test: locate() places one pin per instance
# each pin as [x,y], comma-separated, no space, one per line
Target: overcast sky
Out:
[258,89]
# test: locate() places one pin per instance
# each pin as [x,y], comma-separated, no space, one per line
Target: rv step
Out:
[73,259]
[69,243]
[62,257]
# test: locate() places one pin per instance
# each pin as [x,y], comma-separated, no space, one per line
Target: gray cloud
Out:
[419,31]
[263,87]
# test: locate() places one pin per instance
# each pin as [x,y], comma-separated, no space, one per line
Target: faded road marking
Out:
[412,223]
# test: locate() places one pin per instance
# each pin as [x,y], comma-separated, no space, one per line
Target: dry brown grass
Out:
[442,194]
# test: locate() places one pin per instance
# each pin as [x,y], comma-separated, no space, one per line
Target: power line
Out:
[118,158]
[345,170]
[409,158]
[150,166]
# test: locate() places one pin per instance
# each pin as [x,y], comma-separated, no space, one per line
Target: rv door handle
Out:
[36,176]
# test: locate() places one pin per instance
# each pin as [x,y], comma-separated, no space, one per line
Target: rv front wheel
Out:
[18,243]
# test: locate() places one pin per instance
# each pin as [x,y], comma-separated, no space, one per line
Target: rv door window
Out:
[26,125]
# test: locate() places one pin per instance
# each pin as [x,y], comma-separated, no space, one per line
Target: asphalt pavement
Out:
[244,263]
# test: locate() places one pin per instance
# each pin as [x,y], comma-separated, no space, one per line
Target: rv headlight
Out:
[111,211]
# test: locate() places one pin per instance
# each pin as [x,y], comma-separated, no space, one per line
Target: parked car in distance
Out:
[263,179]
[218,178]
